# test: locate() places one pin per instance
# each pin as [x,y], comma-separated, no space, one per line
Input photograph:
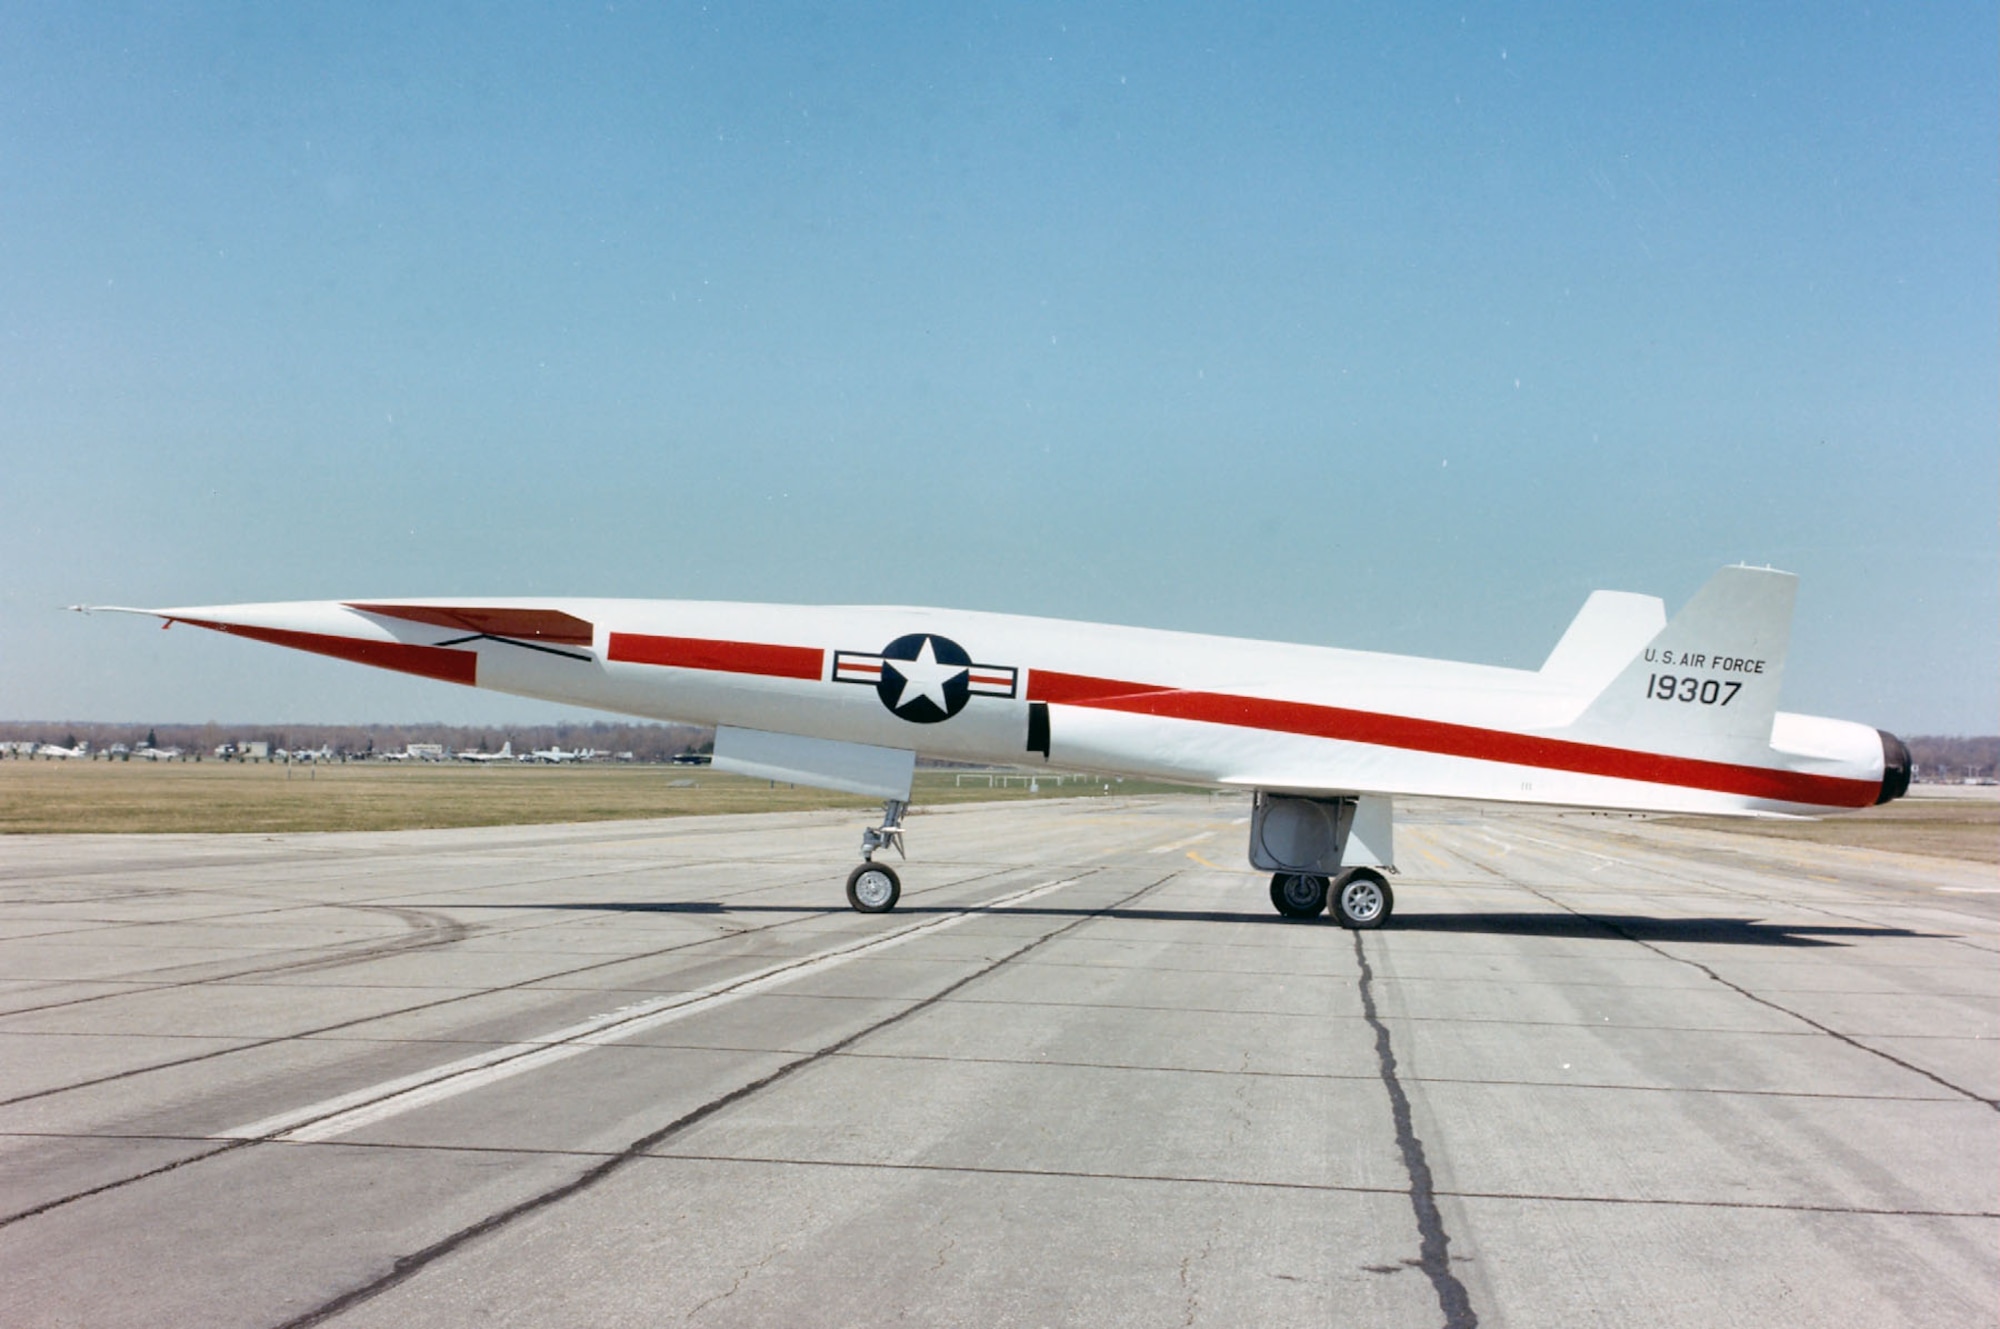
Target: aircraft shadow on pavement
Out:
[1602,927]
[1636,927]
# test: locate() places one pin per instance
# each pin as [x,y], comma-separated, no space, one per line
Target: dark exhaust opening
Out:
[1038,728]
[1895,768]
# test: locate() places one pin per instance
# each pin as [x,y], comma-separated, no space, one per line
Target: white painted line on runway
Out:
[1604,860]
[363,1107]
[1971,890]
[1181,844]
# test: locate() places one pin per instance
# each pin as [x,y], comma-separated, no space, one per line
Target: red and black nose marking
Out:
[545,630]
[548,625]
[424,661]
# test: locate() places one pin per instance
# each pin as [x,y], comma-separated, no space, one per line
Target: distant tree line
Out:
[646,742]
[1955,758]
[1936,757]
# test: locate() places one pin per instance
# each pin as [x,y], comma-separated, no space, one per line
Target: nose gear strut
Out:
[873,888]
[890,832]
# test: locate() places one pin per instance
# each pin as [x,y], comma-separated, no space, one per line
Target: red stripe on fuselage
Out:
[428,661]
[727,657]
[1451,740]
[1309,720]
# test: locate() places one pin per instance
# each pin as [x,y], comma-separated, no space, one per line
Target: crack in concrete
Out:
[1434,1243]
[742,1277]
[1190,1294]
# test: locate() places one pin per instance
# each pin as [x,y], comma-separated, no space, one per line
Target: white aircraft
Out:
[1630,711]
[506,753]
[58,750]
[555,756]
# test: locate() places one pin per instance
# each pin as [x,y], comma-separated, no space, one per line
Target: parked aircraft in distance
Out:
[1630,711]
[506,753]
[555,756]
[58,750]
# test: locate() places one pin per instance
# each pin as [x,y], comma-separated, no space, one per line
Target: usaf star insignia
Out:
[924,678]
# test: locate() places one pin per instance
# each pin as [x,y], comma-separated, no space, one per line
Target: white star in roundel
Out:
[924,677]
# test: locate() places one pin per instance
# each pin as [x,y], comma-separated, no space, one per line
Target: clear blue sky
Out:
[1392,327]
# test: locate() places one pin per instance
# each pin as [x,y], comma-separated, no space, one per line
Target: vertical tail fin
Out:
[1610,629]
[1707,684]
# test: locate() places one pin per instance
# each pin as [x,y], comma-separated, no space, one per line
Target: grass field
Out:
[65,797]
[210,797]
[1934,819]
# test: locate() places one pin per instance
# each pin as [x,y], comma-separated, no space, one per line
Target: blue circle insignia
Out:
[925,678]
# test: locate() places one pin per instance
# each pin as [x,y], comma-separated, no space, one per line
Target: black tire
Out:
[873,888]
[1298,894]
[1362,899]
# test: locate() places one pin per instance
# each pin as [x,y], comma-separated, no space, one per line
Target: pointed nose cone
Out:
[1895,768]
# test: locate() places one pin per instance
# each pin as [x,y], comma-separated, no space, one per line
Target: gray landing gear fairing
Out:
[874,888]
[1323,853]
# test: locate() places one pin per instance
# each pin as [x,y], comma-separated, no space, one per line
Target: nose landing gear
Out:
[874,888]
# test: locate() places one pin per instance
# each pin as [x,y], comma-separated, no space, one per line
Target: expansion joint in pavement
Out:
[337,1026]
[1613,927]
[409,1265]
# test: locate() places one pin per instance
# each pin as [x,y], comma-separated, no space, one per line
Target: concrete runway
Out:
[1598,1072]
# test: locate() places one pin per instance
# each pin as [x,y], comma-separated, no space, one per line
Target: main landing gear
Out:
[1358,898]
[1298,894]
[874,888]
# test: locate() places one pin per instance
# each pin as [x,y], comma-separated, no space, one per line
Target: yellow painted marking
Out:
[1196,856]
